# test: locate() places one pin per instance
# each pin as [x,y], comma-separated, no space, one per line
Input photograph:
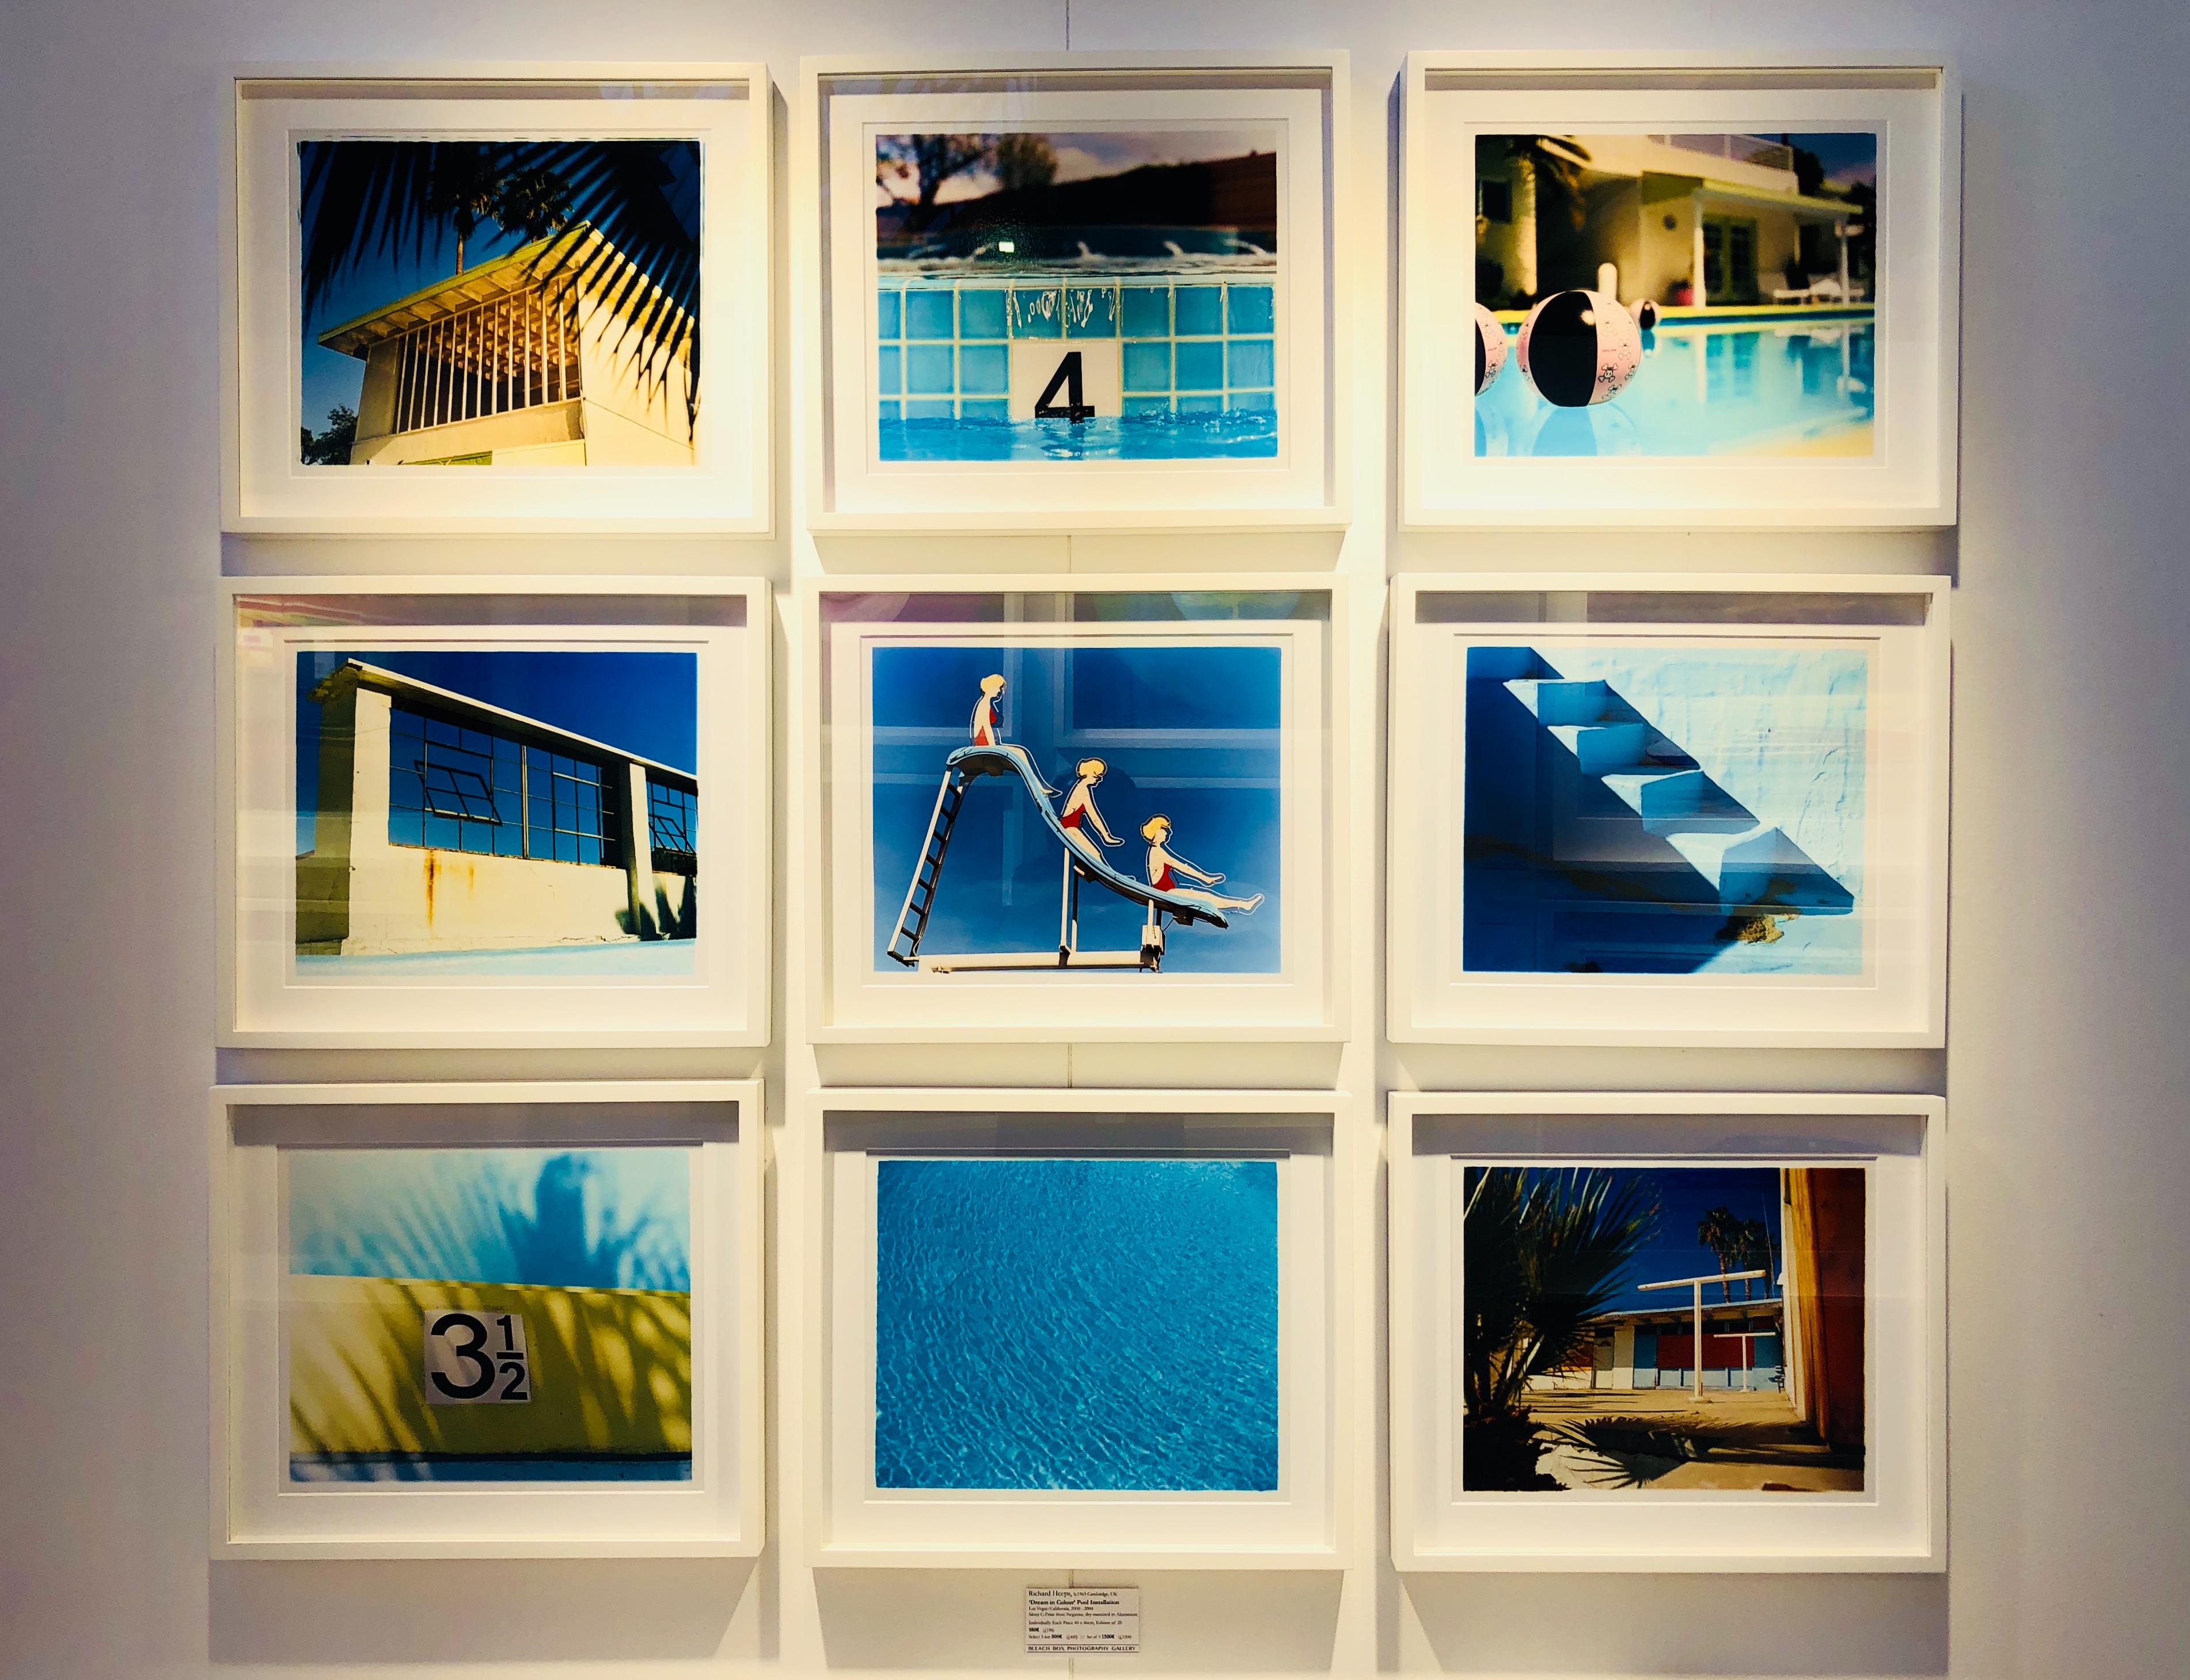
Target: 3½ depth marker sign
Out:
[1083,1621]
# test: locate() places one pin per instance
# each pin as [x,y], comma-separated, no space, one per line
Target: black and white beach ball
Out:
[1646,315]
[1489,348]
[1579,348]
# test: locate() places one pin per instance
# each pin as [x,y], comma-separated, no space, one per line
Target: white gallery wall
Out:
[2067,1070]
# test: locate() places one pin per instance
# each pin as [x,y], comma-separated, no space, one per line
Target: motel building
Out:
[559,354]
[1720,213]
[1804,1346]
[447,824]
[1655,1347]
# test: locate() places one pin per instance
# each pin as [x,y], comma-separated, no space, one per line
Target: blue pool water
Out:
[1077,1324]
[1232,435]
[1779,388]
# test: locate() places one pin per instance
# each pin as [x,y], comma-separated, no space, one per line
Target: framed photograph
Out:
[1077,1329]
[466,812]
[1071,808]
[1680,810]
[1668,1333]
[557,274]
[1724,294]
[1063,290]
[488,1319]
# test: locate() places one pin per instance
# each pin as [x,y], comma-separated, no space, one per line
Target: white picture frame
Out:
[719,997]
[724,107]
[847,485]
[257,1511]
[1912,101]
[850,994]
[1886,986]
[1897,1525]
[845,1522]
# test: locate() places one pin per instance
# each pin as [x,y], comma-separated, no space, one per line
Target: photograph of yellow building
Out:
[527,304]
[478,823]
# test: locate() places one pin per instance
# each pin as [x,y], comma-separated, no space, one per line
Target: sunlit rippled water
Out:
[1077,1324]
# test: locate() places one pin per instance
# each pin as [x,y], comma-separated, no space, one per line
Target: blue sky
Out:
[574,1218]
[1847,158]
[1146,712]
[332,378]
[1086,155]
[1684,1195]
[646,703]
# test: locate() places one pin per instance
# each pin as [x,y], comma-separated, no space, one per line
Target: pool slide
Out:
[958,770]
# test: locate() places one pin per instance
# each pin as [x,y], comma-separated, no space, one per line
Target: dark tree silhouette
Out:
[331,448]
[931,160]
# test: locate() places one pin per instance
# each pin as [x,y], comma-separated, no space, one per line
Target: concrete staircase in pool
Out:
[1747,861]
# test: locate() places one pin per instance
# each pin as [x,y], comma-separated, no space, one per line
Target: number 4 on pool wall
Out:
[1075,407]
[476,1358]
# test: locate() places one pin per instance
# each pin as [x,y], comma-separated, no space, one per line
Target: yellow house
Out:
[560,354]
[1720,213]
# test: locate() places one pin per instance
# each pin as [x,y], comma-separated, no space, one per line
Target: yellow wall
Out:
[611,1369]
[543,426]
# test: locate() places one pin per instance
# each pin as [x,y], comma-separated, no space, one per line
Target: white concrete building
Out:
[444,824]
[1719,213]
[560,354]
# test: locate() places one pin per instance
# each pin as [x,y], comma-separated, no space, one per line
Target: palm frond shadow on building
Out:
[397,200]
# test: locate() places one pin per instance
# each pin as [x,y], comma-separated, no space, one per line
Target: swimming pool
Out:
[1164,367]
[1793,388]
[1089,1323]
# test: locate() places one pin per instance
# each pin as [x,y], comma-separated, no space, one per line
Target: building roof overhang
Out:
[497,278]
[447,702]
[1712,1309]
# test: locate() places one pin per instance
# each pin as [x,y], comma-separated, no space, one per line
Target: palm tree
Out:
[1721,1232]
[532,204]
[1546,1249]
[1548,170]
[380,200]
[465,187]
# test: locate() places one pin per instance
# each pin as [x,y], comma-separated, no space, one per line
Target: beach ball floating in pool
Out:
[1489,348]
[1646,315]
[1579,348]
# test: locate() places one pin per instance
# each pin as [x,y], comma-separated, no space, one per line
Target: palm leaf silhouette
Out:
[366,199]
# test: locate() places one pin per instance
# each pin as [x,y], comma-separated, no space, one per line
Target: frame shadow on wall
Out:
[1814,1625]
[452,1610]
[1192,1621]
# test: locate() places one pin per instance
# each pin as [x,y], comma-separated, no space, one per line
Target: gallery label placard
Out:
[1073,1621]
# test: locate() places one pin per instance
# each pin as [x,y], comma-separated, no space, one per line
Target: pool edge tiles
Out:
[1077,1324]
[1186,368]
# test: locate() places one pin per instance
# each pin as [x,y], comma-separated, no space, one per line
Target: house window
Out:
[1729,261]
[517,351]
[1493,200]
[672,827]
[458,789]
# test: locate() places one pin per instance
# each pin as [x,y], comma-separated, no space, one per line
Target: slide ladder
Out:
[928,874]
